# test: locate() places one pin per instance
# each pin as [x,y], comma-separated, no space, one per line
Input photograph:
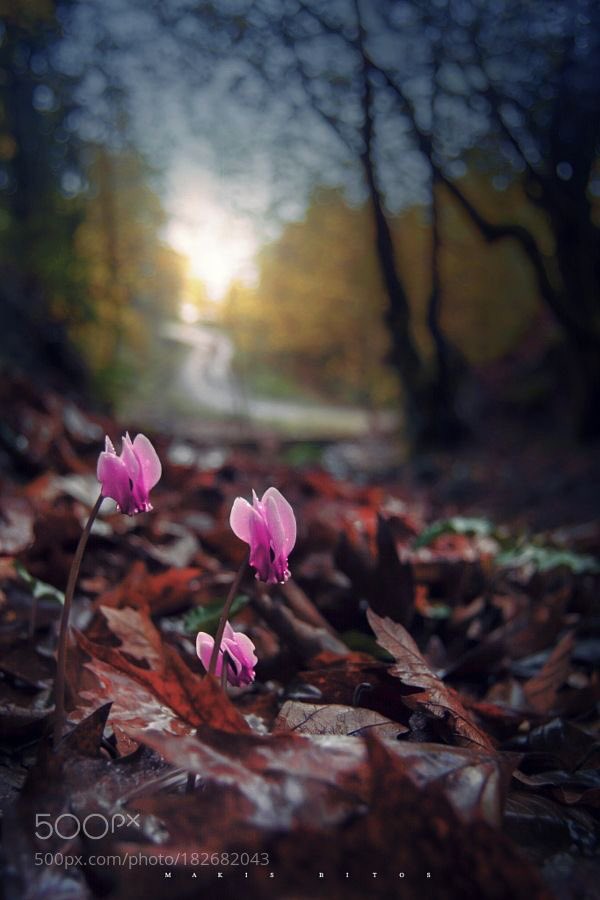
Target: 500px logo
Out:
[94,826]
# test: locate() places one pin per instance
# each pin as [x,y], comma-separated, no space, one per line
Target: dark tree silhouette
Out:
[541,91]
[39,222]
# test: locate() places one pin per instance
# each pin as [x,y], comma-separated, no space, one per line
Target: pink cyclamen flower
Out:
[129,478]
[269,527]
[241,657]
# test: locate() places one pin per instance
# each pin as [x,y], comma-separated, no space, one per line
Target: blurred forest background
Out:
[417,182]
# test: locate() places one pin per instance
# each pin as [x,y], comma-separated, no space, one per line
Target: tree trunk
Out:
[427,423]
[445,426]
[404,354]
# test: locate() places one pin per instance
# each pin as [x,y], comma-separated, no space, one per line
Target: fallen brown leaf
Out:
[431,693]
[16,525]
[541,690]
[309,718]
[167,693]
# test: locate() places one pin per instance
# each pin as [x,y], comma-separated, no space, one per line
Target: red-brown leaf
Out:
[432,695]
[174,695]
[541,690]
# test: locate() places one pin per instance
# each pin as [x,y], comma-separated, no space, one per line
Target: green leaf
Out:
[437,611]
[365,643]
[39,589]
[545,558]
[206,618]
[304,454]
[454,525]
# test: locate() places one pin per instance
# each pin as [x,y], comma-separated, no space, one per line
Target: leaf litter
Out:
[468,749]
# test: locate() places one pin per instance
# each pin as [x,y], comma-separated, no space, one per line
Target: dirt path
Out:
[207,379]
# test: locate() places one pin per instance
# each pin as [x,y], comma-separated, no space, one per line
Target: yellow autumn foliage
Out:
[317,313]
[133,279]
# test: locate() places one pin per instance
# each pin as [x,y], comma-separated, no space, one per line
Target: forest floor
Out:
[424,720]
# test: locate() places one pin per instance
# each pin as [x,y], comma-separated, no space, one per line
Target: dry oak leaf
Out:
[333,804]
[334,718]
[431,694]
[273,783]
[147,660]
[541,691]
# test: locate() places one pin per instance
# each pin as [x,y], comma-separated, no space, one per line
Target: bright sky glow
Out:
[219,243]
[189,313]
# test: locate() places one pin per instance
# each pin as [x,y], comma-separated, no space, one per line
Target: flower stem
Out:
[224,614]
[224,672]
[61,661]
[191,779]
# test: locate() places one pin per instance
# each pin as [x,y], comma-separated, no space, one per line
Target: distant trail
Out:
[208,380]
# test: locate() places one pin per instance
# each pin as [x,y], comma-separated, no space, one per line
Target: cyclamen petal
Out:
[280,519]
[129,459]
[128,478]
[204,647]
[241,658]
[260,553]
[148,460]
[112,474]
[268,526]
[239,519]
